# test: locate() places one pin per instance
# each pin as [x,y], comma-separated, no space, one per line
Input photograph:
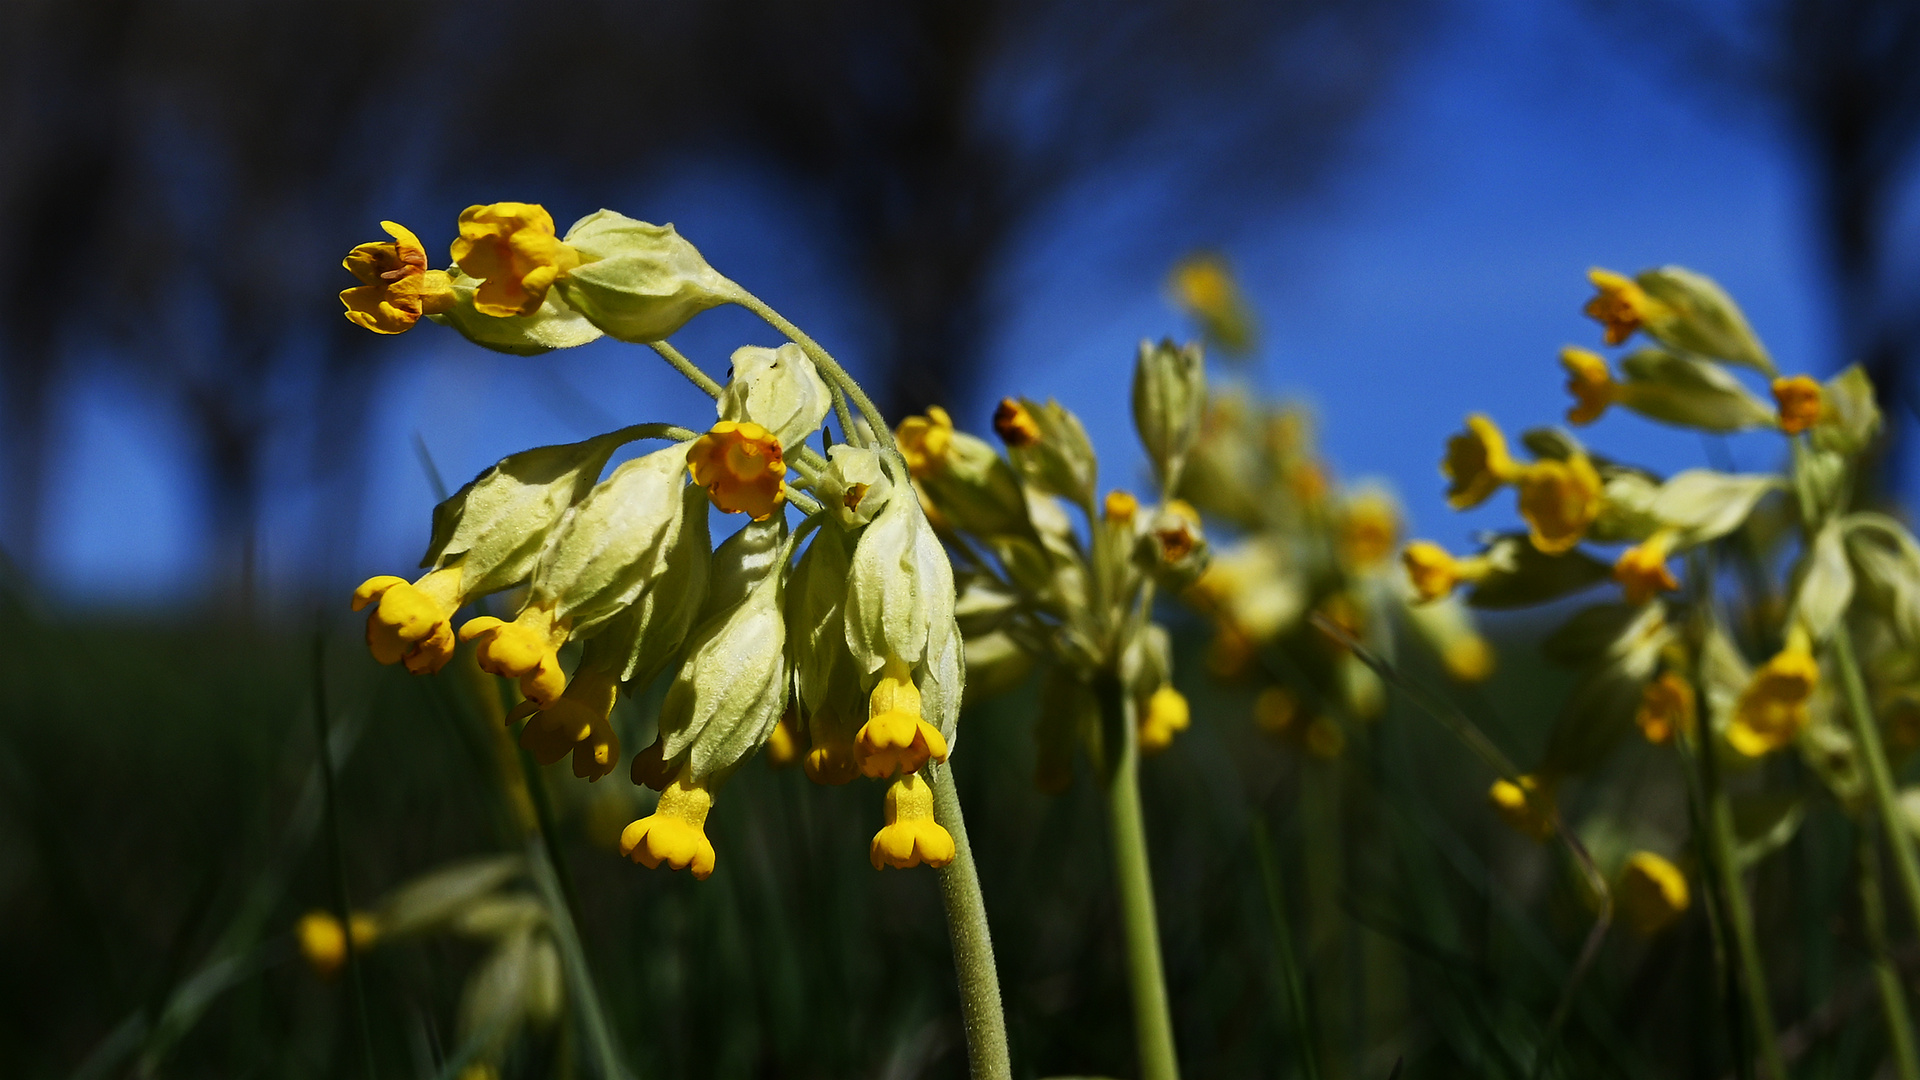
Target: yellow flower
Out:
[1621,305]
[528,649]
[512,249]
[834,759]
[1275,710]
[1666,707]
[396,287]
[1559,499]
[1205,289]
[895,739]
[412,622]
[324,946]
[1642,570]
[1121,507]
[1653,893]
[578,722]
[1178,530]
[1165,716]
[910,836]
[1468,658]
[675,833]
[783,745]
[925,441]
[1526,806]
[1371,529]
[1435,573]
[740,465]
[1014,424]
[1773,707]
[1590,383]
[1477,463]
[1799,400]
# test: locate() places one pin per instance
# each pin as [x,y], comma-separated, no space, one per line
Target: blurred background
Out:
[964,200]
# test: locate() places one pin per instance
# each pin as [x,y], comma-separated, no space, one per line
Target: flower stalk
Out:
[1152,1018]
[981,1014]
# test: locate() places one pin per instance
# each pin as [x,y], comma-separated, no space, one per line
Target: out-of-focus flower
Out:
[324,944]
[1799,399]
[1666,708]
[1642,570]
[1653,893]
[1525,805]
[1166,715]
[1621,305]
[1477,463]
[1559,499]
[1436,573]
[1772,709]
[1591,384]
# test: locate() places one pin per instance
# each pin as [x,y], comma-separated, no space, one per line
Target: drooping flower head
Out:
[675,833]
[1666,708]
[911,836]
[396,287]
[1559,499]
[1477,463]
[1590,383]
[1642,570]
[740,465]
[1621,305]
[512,249]
[412,622]
[1799,399]
[1773,708]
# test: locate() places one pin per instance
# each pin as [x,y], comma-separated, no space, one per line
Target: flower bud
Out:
[963,477]
[734,683]
[824,671]
[496,526]
[900,585]
[636,281]
[1049,448]
[1169,397]
[1687,392]
[779,389]
[553,325]
[1692,312]
[854,486]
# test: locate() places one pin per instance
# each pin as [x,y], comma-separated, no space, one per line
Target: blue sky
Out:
[1437,273]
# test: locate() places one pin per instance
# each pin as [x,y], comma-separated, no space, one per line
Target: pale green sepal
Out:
[996,664]
[1886,561]
[824,672]
[942,676]
[554,326]
[854,487]
[432,900]
[1826,582]
[1061,462]
[733,685]
[615,545]
[779,389]
[900,588]
[1523,575]
[497,525]
[1706,505]
[1691,393]
[742,561]
[976,489]
[1702,318]
[636,281]
[657,621]
[1626,508]
[1849,415]
[1169,397]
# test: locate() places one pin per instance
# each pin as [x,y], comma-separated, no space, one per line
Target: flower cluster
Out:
[842,621]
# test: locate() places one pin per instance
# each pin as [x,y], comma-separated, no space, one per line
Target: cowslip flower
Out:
[675,833]
[1800,400]
[1591,384]
[1525,805]
[1666,708]
[324,944]
[1435,572]
[739,463]
[911,836]
[895,738]
[1014,423]
[1370,528]
[1642,570]
[1772,709]
[528,649]
[1559,500]
[783,743]
[396,287]
[834,759]
[1166,715]
[578,722]
[925,441]
[1477,463]
[412,622]
[512,249]
[1621,306]
[1653,893]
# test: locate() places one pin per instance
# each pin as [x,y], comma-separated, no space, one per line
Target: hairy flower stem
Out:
[830,368]
[1152,1019]
[980,1011]
[1733,892]
[1893,1000]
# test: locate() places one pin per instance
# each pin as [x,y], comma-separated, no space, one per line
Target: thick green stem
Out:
[1152,1019]
[980,1011]
[1726,866]
[1893,1000]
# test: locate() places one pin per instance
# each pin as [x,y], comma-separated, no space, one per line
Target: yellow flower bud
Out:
[910,836]
[323,944]
[1204,287]
[740,465]
[925,441]
[1590,383]
[1666,708]
[1559,500]
[1435,573]
[1642,570]
[1526,806]
[1477,463]
[1121,507]
[1621,305]
[1773,707]
[396,286]
[1799,399]
[412,623]
[675,833]
[895,739]
[783,745]
[1015,424]
[528,649]
[512,249]
[1652,893]
[1166,715]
